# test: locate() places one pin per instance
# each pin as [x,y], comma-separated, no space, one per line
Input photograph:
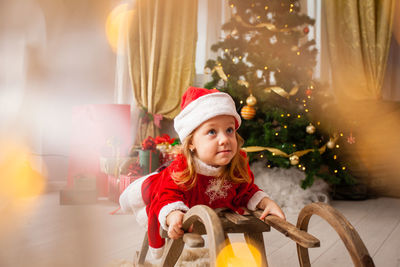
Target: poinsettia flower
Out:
[148,144]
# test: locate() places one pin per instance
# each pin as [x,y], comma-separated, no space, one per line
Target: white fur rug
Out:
[191,257]
[282,185]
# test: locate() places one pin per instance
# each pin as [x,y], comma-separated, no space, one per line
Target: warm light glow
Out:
[288,114]
[239,254]
[117,25]
[261,156]
[18,178]
[276,134]
[334,157]
[337,146]
[335,171]
[285,126]
[343,168]
[299,116]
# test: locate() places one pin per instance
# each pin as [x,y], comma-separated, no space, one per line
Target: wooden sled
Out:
[216,224]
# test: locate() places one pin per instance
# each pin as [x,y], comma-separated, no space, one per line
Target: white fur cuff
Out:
[255,199]
[162,216]
[156,253]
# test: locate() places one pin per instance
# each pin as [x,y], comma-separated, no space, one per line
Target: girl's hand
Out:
[174,222]
[270,207]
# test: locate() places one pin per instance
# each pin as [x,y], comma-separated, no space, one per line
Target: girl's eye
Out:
[211,132]
[230,130]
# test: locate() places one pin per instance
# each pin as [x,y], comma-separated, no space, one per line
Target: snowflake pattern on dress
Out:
[217,190]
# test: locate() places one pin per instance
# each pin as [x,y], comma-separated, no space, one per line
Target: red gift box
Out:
[166,157]
[117,185]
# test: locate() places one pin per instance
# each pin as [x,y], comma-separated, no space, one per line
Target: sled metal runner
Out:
[217,224]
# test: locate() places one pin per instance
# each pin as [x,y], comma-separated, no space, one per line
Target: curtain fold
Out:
[359,34]
[161,50]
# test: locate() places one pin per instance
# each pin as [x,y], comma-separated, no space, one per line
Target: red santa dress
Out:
[154,196]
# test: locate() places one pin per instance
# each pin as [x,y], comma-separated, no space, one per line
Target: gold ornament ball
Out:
[251,100]
[248,112]
[294,159]
[330,144]
[310,129]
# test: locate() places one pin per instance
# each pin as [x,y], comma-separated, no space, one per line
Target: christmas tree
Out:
[266,63]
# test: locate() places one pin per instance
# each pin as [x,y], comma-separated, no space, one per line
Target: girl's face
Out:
[214,141]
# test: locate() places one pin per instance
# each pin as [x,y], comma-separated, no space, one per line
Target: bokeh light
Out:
[239,254]
[117,26]
[18,178]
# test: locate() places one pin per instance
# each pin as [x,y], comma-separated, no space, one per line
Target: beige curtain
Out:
[161,50]
[359,35]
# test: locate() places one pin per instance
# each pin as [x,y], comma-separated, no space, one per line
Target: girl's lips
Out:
[224,151]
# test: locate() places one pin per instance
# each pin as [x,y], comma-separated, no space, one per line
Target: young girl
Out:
[211,170]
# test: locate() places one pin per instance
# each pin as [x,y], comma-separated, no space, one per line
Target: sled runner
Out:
[217,224]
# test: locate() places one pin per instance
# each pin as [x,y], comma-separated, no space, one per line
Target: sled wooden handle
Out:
[302,238]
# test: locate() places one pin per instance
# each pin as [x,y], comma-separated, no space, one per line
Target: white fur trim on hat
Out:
[255,199]
[202,109]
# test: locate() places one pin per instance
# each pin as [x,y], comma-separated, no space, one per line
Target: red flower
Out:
[148,144]
[165,138]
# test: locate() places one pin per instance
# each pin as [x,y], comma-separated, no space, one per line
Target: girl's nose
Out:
[223,139]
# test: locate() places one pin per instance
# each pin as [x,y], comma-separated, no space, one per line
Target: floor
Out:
[40,232]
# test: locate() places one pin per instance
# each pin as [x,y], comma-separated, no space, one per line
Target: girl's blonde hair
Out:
[236,171]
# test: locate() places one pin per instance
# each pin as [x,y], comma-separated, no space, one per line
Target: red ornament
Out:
[308,92]
[306,30]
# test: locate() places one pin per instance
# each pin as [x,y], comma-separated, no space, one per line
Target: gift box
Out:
[113,188]
[117,185]
[149,160]
[167,157]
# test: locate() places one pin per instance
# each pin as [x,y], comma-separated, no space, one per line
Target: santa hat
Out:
[199,105]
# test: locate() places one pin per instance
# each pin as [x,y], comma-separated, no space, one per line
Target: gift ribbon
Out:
[278,152]
[157,118]
[276,89]
[280,91]
[269,26]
